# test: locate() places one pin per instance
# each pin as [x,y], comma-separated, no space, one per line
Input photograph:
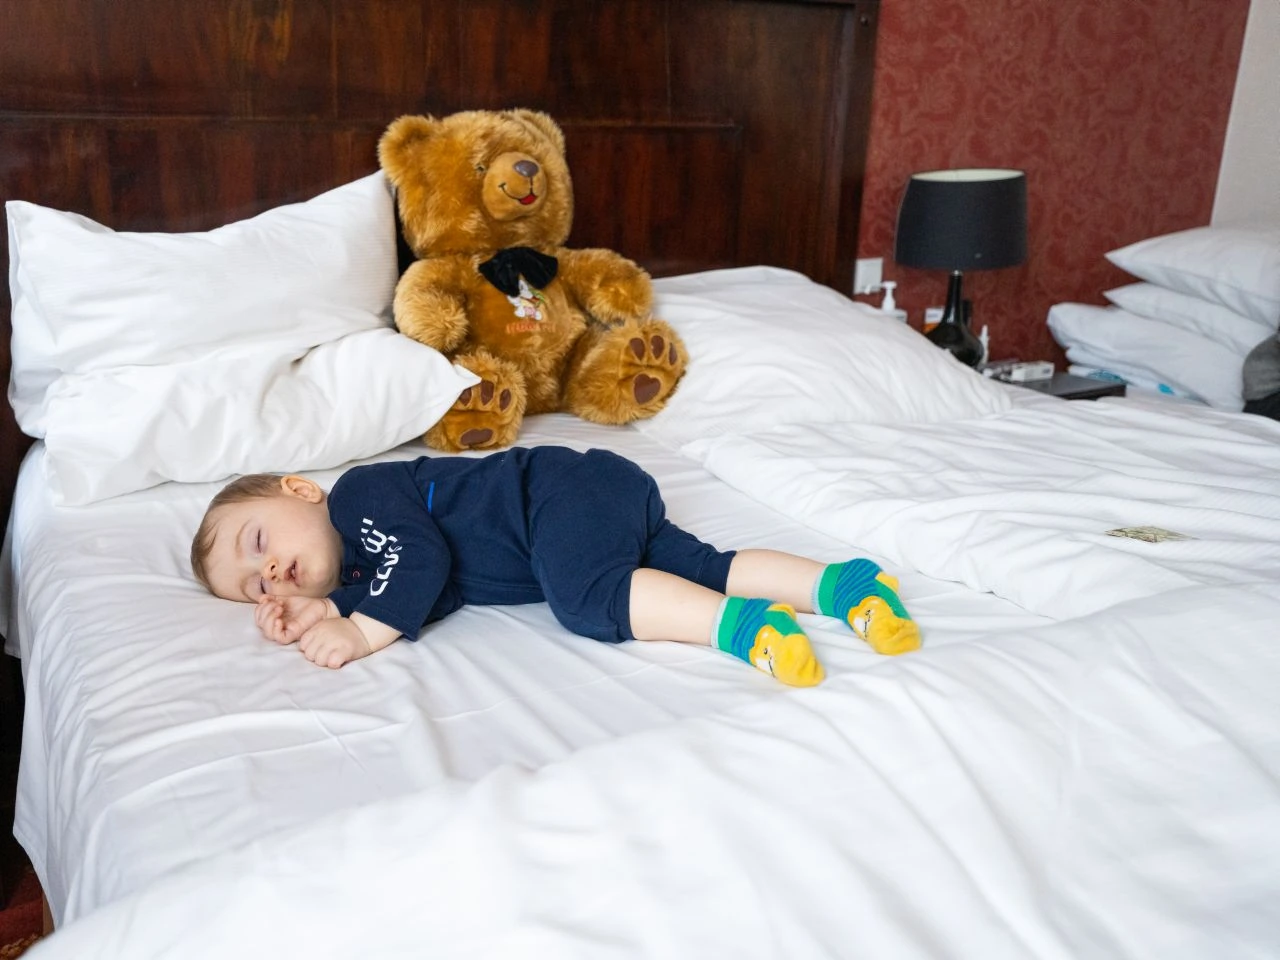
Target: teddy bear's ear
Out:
[544,124]
[396,146]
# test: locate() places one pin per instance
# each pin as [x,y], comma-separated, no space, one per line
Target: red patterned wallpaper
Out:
[1116,109]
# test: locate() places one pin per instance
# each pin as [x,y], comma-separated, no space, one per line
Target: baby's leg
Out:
[763,633]
[857,592]
[667,607]
[612,567]
[771,573]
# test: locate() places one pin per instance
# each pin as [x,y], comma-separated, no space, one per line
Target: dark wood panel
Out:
[147,57]
[390,82]
[663,195]
[794,119]
[608,59]
[702,133]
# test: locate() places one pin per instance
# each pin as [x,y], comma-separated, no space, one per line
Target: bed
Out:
[1083,759]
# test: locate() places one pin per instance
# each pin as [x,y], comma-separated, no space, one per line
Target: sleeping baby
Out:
[401,544]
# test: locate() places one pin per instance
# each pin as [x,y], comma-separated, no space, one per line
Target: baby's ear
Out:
[302,488]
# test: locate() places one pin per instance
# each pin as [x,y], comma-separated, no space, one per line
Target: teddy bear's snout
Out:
[526,168]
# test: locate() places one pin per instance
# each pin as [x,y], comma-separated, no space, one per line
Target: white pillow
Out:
[1114,339]
[1236,332]
[124,429]
[769,346]
[88,298]
[1237,267]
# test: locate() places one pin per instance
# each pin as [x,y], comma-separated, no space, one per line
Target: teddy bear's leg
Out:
[624,373]
[486,415]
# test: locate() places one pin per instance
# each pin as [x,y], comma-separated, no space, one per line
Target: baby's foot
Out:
[767,636]
[866,598]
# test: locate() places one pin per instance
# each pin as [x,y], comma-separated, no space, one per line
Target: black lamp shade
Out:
[964,220]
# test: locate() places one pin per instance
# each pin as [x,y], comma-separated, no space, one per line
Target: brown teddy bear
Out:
[486,204]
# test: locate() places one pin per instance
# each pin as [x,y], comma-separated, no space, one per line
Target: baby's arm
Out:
[338,640]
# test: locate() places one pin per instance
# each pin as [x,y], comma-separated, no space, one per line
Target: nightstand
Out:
[1071,387]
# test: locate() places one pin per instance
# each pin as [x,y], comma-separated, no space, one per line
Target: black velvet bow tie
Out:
[507,266]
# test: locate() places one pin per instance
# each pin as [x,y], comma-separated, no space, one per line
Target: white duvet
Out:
[1099,788]
[1020,504]
[1107,785]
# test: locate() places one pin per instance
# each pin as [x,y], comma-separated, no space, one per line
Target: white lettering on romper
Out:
[379,543]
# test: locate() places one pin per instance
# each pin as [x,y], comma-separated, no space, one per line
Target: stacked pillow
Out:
[262,345]
[1204,299]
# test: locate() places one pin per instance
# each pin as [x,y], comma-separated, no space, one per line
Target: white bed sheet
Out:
[161,730]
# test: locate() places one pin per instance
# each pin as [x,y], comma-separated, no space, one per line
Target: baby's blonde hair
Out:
[253,486]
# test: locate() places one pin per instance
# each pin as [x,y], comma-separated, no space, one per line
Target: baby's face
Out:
[283,546]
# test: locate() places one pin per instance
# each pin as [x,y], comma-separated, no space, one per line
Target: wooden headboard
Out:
[701,133]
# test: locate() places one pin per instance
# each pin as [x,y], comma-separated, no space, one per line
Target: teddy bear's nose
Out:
[527,168]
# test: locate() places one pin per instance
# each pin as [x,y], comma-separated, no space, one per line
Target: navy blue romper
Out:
[420,538]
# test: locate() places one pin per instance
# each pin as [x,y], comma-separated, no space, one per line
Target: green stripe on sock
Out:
[890,596]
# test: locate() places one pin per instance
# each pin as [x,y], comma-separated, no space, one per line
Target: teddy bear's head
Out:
[479,180]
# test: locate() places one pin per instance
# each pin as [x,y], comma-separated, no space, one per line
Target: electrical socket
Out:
[868,273]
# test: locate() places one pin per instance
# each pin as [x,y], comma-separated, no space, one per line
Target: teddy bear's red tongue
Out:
[529,198]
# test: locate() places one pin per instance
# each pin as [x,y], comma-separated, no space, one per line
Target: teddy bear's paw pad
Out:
[484,415]
[655,347]
[475,438]
[482,398]
[658,363]
[645,387]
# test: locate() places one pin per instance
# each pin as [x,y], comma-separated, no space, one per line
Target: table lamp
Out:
[958,220]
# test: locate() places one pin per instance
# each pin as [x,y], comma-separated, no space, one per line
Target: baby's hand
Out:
[331,643]
[286,619]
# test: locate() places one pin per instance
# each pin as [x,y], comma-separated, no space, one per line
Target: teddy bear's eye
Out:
[480,168]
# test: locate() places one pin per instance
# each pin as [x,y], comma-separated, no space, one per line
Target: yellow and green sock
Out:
[865,597]
[766,635]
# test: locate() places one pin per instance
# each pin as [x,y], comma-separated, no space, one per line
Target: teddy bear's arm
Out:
[610,287]
[430,302]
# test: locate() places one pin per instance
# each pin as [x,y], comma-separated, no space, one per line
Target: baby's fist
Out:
[285,619]
[333,643]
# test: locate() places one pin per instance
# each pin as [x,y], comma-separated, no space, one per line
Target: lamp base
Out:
[952,332]
[959,340]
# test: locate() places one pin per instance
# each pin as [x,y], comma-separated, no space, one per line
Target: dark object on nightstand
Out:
[1071,387]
